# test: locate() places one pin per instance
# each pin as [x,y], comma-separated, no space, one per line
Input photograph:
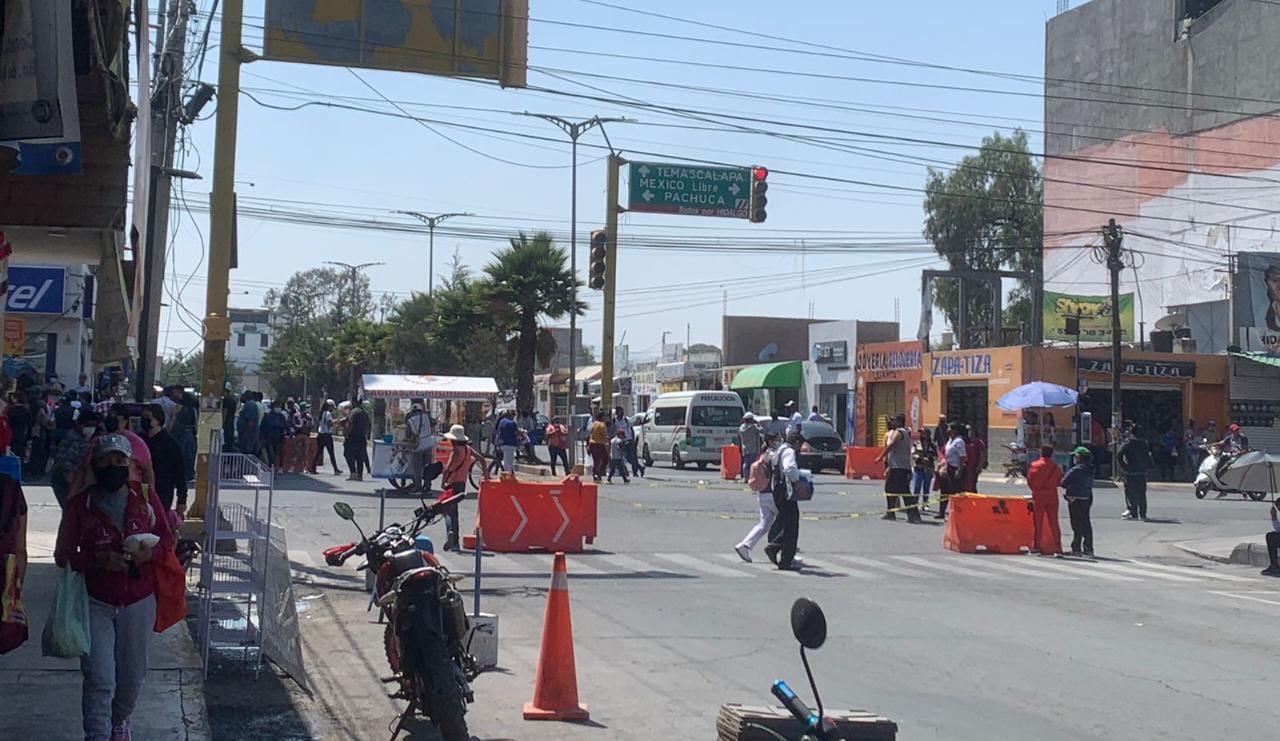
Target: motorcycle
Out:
[1207,479]
[426,618]
[809,625]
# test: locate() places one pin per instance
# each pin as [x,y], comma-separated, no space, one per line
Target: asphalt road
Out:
[1145,642]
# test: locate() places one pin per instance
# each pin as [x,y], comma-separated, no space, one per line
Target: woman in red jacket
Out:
[1044,476]
[457,471]
[106,535]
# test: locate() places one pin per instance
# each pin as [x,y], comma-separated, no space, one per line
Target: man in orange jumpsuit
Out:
[1043,477]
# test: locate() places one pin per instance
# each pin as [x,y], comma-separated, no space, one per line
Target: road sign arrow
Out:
[734,189]
[564,525]
[647,195]
[524,519]
[644,171]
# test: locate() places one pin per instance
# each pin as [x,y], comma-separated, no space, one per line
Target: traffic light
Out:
[759,186]
[599,249]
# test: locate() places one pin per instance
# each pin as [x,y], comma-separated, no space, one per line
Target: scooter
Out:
[1207,480]
[809,625]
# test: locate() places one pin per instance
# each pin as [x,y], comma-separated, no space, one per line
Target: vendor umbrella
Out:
[1037,395]
[1254,471]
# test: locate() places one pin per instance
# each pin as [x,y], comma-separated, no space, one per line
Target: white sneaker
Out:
[743,552]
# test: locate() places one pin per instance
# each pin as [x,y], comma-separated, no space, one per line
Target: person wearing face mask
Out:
[70,455]
[166,460]
[95,540]
[783,545]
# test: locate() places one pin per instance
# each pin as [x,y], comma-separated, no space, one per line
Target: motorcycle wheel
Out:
[1256,496]
[441,694]
[1201,490]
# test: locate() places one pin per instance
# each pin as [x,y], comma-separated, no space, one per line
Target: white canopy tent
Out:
[398,386]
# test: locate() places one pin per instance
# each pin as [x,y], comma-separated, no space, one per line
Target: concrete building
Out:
[1156,114]
[252,332]
[51,308]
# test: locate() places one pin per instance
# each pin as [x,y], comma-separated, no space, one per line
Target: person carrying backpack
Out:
[760,481]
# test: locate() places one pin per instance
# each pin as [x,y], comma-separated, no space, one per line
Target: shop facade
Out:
[48,312]
[768,387]
[888,384]
[1255,398]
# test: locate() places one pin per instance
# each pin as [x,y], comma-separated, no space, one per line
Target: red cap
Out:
[1234,428]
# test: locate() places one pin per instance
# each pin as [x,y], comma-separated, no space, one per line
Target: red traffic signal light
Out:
[759,173]
[599,252]
[759,186]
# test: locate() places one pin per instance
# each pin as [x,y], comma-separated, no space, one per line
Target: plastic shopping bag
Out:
[171,590]
[66,635]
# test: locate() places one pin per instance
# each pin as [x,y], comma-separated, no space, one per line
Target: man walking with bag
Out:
[785,474]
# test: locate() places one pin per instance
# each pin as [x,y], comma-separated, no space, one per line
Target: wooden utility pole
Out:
[610,281]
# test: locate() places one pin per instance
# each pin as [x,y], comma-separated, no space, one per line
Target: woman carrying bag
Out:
[113,533]
[13,564]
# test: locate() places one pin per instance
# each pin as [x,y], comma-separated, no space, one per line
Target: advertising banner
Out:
[1095,317]
[1257,301]
[39,117]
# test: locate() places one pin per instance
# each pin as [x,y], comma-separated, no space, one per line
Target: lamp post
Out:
[431,222]
[355,271]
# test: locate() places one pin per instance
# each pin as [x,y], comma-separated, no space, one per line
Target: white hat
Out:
[457,434]
[749,417]
[112,443]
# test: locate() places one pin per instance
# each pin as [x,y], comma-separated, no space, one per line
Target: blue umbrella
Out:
[1037,394]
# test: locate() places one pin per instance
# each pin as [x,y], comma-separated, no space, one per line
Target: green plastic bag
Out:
[66,635]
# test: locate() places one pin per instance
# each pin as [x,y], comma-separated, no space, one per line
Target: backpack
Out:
[760,475]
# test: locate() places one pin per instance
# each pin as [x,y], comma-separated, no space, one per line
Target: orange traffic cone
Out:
[555,688]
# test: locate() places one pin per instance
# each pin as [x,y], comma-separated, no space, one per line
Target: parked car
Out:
[822,448]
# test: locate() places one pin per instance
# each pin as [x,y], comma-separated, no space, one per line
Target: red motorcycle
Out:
[426,619]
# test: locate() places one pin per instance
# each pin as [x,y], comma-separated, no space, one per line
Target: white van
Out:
[690,427]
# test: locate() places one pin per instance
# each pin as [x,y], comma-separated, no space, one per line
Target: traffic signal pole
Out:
[610,280]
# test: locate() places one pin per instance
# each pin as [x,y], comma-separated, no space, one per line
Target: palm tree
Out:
[533,279]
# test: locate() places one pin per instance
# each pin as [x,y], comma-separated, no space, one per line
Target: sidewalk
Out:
[42,695]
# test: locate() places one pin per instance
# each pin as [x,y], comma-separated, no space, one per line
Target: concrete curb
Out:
[1247,554]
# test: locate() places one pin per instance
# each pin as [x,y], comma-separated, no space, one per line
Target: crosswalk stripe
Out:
[1077,569]
[500,564]
[1129,569]
[991,563]
[583,566]
[843,570]
[940,565]
[630,565]
[698,564]
[1194,571]
[876,565]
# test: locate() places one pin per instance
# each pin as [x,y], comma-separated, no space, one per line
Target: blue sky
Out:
[359,163]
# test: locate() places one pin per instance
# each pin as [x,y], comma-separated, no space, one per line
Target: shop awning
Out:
[395,386]
[788,375]
[1259,357]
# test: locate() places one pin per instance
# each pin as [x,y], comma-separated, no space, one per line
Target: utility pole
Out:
[431,222]
[610,280]
[1113,236]
[166,104]
[355,298]
[574,129]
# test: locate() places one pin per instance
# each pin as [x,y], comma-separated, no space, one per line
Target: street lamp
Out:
[431,222]
[355,271]
[574,129]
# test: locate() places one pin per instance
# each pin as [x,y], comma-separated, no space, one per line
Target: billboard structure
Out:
[456,38]
[1095,317]
[1256,305]
[39,113]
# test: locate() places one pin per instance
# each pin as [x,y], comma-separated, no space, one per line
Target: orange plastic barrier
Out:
[992,524]
[555,686]
[296,453]
[518,516]
[730,462]
[860,463]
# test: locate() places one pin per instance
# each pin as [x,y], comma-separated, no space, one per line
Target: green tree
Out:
[321,293]
[530,280]
[298,361]
[986,214]
[359,347]
[188,370]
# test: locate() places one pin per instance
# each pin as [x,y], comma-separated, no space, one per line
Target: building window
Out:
[263,340]
[239,339]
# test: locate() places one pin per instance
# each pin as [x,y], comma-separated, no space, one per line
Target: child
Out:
[617,462]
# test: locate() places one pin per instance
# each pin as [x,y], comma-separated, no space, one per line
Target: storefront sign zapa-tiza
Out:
[975,364]
[1141,368]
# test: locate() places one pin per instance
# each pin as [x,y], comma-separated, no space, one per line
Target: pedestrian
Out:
[82,386]
[529,426]
[940,435]
[355,446]
[275,426]
[509,440]
[19,414]
[457,470]
[750,440]
[618,456]
[1135,463]
[64,420]
[1273,543]
[1193,446]
[785,473]
[924,457]
[71,454]
[794,419]
[140,469]
[815,415]
[759,478]
[557,435]
[184,428]
[495,445]
[166,460]
[40,429]
[896,456]
[13,563]
[249,428]
[1044,476]
[419,434]
[598,447]
[324,438]
[121,584]
[629,457]
[229,407]
[1078,483]
[1171,454]
[954,455]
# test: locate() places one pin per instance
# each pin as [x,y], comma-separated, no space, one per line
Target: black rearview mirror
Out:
[344,510]
[808,623]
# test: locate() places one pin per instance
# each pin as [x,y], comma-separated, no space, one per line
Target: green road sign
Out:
[690,190]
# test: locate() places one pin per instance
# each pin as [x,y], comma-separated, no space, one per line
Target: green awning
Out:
[1259,357]
[770,376]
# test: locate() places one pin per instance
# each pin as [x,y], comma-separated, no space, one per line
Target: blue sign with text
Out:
[36,289]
